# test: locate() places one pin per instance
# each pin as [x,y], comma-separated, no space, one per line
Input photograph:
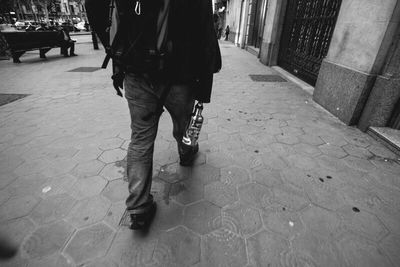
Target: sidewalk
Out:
[278,180]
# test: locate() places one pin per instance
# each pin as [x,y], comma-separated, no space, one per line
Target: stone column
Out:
[386,92]
[243,24]
[272,32]
[360,42]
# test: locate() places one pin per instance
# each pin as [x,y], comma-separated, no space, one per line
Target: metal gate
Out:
[307,32]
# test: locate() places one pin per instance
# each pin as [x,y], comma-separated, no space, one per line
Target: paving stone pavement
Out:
[278,180]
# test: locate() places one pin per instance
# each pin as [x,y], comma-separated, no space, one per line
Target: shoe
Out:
[187,154]
[142,218]
[73,55]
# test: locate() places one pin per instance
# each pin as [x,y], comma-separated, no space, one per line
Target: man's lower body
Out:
[71,46]
[143,94]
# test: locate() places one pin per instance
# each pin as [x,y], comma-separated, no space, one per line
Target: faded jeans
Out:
[143,93]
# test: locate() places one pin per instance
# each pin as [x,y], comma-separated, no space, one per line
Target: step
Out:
[387,136]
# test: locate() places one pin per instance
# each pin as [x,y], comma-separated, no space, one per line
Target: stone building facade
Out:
[347,49]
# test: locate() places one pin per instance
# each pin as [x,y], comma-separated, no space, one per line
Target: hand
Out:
[118,82]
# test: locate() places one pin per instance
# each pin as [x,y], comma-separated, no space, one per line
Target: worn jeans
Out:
[143,94]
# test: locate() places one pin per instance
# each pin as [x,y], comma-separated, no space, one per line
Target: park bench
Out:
[19,42]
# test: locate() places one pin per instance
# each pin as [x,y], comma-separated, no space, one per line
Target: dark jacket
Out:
[195,54]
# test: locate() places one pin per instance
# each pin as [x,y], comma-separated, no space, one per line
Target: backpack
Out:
[136,34]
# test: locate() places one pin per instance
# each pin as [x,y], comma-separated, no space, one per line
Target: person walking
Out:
[183,73]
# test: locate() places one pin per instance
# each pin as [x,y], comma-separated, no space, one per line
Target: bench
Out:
[19,42]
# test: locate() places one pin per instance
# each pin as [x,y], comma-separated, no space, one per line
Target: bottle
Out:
[193,130]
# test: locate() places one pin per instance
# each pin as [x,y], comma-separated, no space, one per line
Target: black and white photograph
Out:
[199,133]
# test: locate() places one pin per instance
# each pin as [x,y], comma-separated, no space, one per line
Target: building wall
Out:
[233,13]
[360,42]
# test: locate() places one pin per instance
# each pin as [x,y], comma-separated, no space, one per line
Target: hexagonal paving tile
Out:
[112,171]
[307,149]
[333,151]
[52,208]
[7,178]
[220,194]
[248,160]
[173,173]
[334,139]
[114,214]
[241,219]
[358,251]
[88,211]
[310,139]
[94,239]
[87,154]
[28,185]
[295,176]
[4,196]
[188,191]
[363,223]
[113,155]
[111,143]
[88,169]
[387,165]
[234,175]
[47,239]
[322,194]
[59,185]
[59,167]
[273,162]
[358,164]
[286,223]
[202,217]
[165,157]
[206,174]
[224,248]
[381,151]
[54,260]
[288,139]
[289,197]
[282,150]
[17,207]
[267,177]
[255,195]
[302,162]
[359,140]
[168,216]
[330,163]
[16,230]
[132,249]
[116,190]
[315,250]
[358,152]
[320,221]
[88,187]
[179,247]
[391,245]
[220,159]
[266,249]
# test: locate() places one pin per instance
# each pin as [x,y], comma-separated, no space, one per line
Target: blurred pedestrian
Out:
[66,43]
[227,31]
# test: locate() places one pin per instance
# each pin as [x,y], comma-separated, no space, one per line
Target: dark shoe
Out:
[187,154]
[142,218]
[73,55]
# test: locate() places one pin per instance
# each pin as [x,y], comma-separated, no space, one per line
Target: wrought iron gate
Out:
[307,32]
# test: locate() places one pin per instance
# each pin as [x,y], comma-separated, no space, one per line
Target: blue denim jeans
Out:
[143,94]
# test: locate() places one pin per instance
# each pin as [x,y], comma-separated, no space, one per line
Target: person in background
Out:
[67,42]
[227,30]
